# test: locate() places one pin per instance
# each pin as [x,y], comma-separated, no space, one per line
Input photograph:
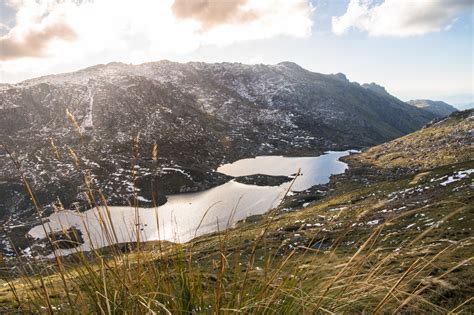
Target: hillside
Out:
[444,142]
[439,108]
[104,121]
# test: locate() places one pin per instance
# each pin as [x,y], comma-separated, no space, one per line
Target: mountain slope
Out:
[439,108]
[261,93]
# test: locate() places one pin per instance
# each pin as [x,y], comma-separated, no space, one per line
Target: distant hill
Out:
[465,106]
[439,108]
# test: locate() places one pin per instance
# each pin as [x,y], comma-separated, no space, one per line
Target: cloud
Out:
[211,12]
[34,42]
[37,25]
[399,18]
[58,34]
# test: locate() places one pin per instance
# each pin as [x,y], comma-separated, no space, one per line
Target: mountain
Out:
[102,123]
[439,108]
[465,106]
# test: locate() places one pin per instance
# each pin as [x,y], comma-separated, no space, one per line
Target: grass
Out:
[246,277]
[389,246]
[443,143]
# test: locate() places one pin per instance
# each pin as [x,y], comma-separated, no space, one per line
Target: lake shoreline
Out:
[186,216]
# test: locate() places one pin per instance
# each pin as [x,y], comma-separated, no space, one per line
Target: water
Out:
[186,216]
[315,170]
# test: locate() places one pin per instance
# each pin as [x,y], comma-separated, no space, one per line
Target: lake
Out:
[185,216]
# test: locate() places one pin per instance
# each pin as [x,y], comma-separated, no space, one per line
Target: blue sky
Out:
[415,48]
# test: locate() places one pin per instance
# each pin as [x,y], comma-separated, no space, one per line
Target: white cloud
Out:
[135,31]
[400,17]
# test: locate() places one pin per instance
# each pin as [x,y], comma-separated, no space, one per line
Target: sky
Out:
[414,48]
